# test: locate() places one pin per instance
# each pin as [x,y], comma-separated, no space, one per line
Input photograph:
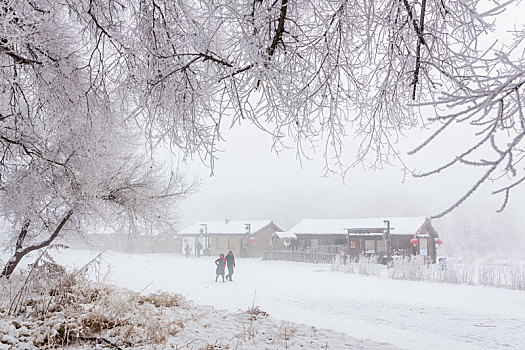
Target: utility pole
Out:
[386,236]
[204,234]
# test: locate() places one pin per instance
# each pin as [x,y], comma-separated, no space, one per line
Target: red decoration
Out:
[253,239]
[414,241]
[439,242]
[175,237]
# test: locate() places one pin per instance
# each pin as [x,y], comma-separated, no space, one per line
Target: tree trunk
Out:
[11,265]
[20,253]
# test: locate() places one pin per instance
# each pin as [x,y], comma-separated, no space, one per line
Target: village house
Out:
[283,240]
[364,236]
[245,238]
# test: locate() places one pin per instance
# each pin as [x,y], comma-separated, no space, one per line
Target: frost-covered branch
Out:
[492,107]
[21,252]
[82,81]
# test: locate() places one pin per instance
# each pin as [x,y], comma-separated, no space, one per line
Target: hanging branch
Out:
[419,28]
[280,28]
[494,165]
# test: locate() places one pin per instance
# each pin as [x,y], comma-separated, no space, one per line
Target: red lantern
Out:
[439,242]
[175,237]
[414,241]
[253,239]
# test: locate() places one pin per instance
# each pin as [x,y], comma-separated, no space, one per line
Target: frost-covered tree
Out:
[83,181]
[298,69]
[312,70]
[68,157]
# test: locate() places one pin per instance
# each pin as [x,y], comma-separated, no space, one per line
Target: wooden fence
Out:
[326,254]
[309,257]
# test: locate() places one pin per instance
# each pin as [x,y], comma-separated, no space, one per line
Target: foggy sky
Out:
[252,183]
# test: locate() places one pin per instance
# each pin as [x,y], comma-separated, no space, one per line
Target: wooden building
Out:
[283,240]
[382,237]
[245,238]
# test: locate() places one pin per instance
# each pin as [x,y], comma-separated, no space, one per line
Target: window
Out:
[222,242]
[380,246]
[352,244]
[370,246]
[423,246]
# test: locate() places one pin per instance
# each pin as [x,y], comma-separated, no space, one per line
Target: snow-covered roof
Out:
[398,225]
[230,227]
[285,234]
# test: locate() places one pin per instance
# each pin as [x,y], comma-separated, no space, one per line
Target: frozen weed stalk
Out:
[472,272]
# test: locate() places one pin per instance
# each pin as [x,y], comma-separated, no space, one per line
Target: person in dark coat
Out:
[198,247]
[230,262]
[187,249]
[221,264]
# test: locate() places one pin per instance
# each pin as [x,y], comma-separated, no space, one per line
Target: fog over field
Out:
[249,182]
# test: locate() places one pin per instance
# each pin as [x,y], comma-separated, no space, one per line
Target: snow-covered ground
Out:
[406,314]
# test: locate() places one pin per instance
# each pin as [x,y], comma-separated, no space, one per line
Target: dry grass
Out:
[64,308]
[215,346]
[255,312]
[163,299]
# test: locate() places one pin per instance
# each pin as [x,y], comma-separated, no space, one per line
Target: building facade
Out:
[382,237]
[245,238]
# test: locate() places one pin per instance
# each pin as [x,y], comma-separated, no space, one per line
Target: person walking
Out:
[230,263]
[198,247]
[187,250]
[221,264]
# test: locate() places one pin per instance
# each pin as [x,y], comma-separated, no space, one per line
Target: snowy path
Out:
[407,314]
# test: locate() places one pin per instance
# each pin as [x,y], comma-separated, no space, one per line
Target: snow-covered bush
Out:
[418,268]
[358,265]
[48,307]
[488,273]
[457,271]
[502,275]
[163,299]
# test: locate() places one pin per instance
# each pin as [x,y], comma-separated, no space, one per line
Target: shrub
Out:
[65,308]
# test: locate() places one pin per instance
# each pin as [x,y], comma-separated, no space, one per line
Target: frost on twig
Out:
[492,107]
[82,81]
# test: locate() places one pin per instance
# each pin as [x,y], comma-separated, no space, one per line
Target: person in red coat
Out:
[221,264]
